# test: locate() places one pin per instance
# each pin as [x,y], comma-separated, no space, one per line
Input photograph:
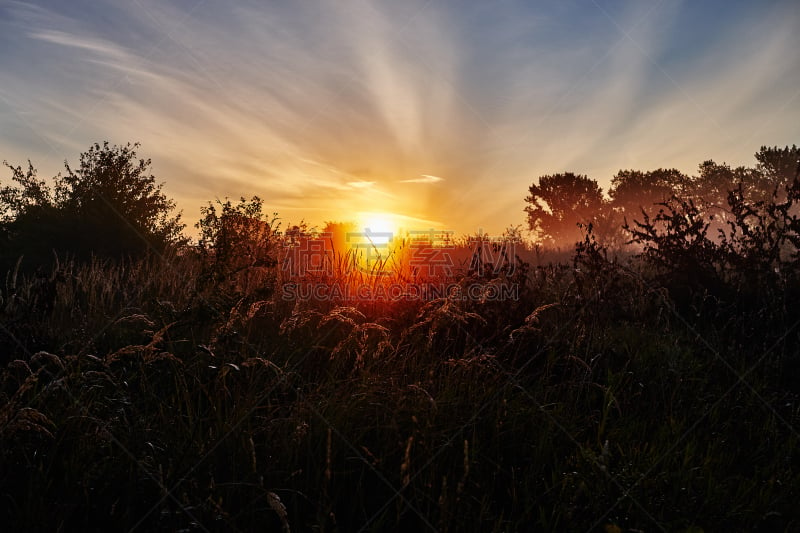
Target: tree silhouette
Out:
[634,190]
[236,237]
[776,168]
[109,206]
[559,202]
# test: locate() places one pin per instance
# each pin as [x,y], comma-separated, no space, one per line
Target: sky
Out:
[440,113]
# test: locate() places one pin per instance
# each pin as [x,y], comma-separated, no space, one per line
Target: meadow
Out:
[647,389]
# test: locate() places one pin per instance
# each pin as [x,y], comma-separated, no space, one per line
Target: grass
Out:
[151,396]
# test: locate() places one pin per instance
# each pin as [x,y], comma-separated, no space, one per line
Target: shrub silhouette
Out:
[752,260]
[238,245]
[109,206]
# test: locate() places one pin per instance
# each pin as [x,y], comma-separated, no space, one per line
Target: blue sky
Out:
[442,113]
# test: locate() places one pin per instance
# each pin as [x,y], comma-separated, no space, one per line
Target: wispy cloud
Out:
[361,184]
[424,178]
[97,46]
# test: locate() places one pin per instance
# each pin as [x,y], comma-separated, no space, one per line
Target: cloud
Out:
[361,184]
[97,46]
[425,178]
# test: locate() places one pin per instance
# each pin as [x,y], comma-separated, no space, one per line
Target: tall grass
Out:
[148,395]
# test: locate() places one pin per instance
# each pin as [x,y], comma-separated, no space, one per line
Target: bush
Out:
[110,206]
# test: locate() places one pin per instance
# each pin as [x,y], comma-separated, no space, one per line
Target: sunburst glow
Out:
[379,228]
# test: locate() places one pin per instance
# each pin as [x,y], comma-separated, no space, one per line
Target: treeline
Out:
[111,206]
[559,203]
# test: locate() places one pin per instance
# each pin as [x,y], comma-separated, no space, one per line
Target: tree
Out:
[111,187]
[559,203]
[777,168]
[710,188]
[110,206]
[709,191]
[781,164]
[236,237]
[634,190]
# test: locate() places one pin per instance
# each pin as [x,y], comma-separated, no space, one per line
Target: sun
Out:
[379,228]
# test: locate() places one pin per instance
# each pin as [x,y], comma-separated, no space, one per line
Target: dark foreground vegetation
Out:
[647,387]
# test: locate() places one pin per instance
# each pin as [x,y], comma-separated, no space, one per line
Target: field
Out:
[612,392]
